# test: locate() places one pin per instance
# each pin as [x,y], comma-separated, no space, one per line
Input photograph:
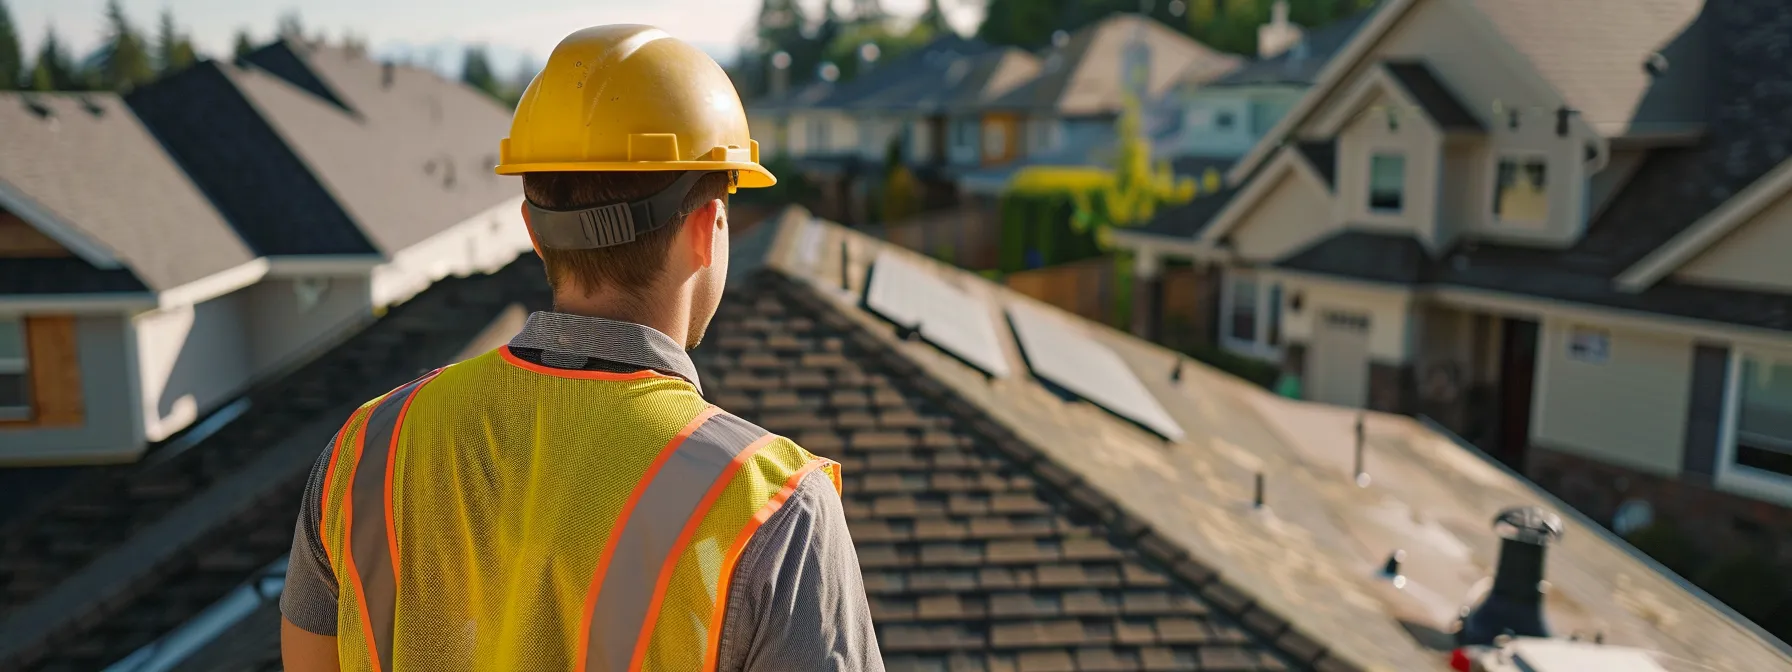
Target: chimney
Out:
[1278,35]
[1514,606]
[387,71]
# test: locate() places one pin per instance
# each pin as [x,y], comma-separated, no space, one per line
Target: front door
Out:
[1518,366]
[1340,359]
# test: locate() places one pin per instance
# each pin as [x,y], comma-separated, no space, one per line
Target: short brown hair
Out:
[629,267]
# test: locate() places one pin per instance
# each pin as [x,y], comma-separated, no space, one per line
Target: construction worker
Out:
[570,501]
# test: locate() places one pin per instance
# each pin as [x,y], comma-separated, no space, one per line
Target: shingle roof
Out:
[1384,257]
[413,160]
[1323,157]
[66,275]
[930,63]
[1187,220]
[1594,51]
[954,81]
[270,197]
[1299,65]
[1433,97]
[1084,76]
[94,167]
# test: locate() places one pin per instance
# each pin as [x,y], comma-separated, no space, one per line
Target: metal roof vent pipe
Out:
[387,72]
[1514,606]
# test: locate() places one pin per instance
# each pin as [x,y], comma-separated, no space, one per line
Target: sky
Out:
[512,28]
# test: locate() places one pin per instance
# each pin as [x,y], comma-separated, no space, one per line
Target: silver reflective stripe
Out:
[650,534]
[369,545]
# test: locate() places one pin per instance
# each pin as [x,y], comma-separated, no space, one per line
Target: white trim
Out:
[1376,79]
[1708,230]
[323,265]
[214,285]
[1734,477]
[122,302]
[1538,308]
[1494,157]
[1162,244]
[1258,347]
[1539,374]
[1288,159]
[484,243]
[1381,216]
[55,228]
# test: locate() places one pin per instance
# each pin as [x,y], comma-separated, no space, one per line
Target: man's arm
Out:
[798,599]
[308,602]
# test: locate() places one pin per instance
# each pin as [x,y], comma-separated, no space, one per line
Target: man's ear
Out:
[702,226]
[533,242]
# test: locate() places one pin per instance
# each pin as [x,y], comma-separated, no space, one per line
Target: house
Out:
[1556,228]
[1066,115]
[1206,121]
[168,250]
[1002,522]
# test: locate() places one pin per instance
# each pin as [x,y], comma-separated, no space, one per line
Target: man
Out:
[570,501]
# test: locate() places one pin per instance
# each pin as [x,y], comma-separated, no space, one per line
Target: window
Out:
[995,141]
[1387,182]
[1521,190]
[1253,311]
[15,387]
[1224,120]
[1764,415]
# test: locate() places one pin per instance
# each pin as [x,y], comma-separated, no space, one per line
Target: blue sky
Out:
[513,28]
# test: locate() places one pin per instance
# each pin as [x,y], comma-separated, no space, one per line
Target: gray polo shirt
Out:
[797,601]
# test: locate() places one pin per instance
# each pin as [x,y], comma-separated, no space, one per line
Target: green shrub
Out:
[1264,374]
[1663,541]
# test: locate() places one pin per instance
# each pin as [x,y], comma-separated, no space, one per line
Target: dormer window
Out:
[1521,189]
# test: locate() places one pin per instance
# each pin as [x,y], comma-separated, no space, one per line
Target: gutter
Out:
[169,651]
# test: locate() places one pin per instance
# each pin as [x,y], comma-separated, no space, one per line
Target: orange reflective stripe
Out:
[513,360]
[726,580]
[323,497]
[372,551]
[628,509]
[684,540]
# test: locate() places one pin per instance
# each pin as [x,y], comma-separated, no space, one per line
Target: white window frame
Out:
[20,365]
[1493,188]
[1268,311]
[1369,183]
[1734,477]
[994,141]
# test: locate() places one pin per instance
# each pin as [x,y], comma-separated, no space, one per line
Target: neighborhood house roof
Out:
[1299,64]
[1433,96]
[85,161]
[1084,76]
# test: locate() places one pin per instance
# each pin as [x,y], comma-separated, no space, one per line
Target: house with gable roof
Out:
[1555,228]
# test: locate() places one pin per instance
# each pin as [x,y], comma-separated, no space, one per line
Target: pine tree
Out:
[289,27]
[174,52]
[476,71]
[243,45]
[933,19]
[12,61]
[53,71]
[127,63]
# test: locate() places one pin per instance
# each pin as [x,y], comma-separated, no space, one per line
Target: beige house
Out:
[1552,227]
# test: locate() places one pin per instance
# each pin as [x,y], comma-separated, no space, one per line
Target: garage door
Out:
[1340,359]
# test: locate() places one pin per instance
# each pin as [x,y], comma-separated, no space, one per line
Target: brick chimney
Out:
[1279,34]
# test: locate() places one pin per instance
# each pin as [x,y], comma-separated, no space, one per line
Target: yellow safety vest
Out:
[498,514]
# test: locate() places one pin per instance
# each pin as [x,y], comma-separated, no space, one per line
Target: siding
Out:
[106,429]
[192,358]
[1417,141]
[18,239]
[1294,214]
[1752,257]
[280,331]
[1630,410]
[1388,311]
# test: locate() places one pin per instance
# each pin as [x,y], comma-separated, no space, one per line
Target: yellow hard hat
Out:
[627,98]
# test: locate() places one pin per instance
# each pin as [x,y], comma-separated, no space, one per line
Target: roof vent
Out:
[92,108]
[37,108]
[388,71]
[1514,606]
[1656,64]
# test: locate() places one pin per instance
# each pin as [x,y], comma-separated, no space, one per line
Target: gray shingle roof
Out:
[1438,103]
[1299,65]
[1084,76]
[412,159]
[271,198]
[954,81]
[1187,220]
[1384,257]
[94,167]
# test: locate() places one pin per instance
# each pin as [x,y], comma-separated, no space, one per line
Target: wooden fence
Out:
[1085,288]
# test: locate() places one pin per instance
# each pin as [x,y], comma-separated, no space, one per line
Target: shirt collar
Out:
[564,335]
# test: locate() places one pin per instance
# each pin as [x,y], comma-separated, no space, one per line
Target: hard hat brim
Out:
[752,175]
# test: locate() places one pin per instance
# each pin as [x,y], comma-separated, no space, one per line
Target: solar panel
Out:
[1059,354]
[943,315]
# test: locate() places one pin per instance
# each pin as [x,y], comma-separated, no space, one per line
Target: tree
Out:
[12,61]
[933,19]
[476,71]
[174,52]
[244,46]
[127,63]
[525,73]
[289,27]
[54,70]
[1028,24]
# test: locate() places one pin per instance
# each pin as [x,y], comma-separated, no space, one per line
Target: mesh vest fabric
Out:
[506,482]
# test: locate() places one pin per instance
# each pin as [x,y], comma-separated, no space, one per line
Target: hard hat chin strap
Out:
[610,225]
